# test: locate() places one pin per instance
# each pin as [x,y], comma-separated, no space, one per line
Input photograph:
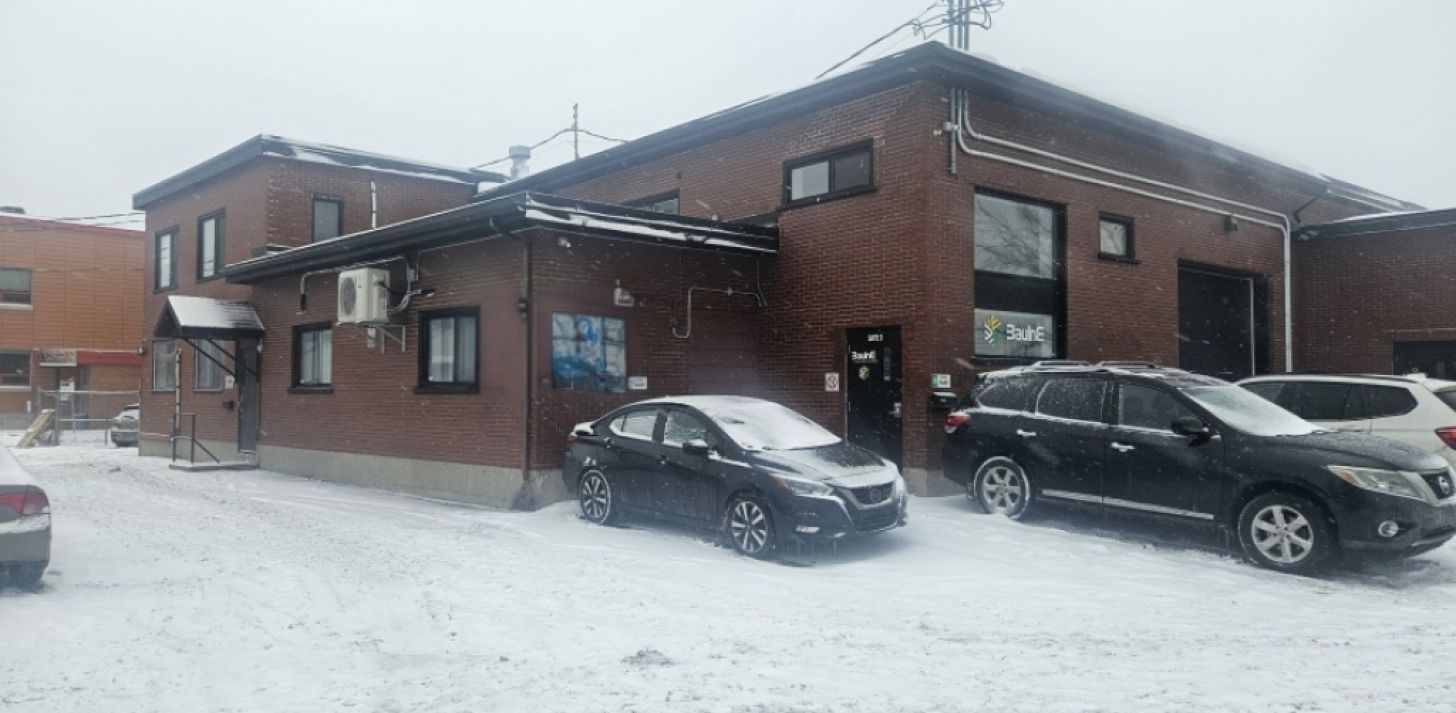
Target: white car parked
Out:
[1412,409]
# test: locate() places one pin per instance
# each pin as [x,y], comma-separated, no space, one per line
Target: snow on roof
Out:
[283,147]
[10,471]
[655,230]
[199,314]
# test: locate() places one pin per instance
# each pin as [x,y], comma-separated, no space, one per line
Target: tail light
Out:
[1447,435]
[955,420]
[36,503]
[571,438]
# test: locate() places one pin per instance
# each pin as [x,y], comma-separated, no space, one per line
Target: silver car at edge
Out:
[25,525]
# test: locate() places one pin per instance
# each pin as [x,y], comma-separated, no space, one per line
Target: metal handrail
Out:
[191,439]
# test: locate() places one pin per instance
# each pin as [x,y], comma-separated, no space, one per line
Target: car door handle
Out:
[1026,434]
[1122,447]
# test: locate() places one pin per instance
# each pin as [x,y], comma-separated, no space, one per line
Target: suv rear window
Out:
[1387,401]
[1320,400]
[1078,399]
[1006,392]
[1448,397]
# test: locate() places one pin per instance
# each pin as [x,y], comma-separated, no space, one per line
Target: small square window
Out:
[328,218]
[449,358]
[1114,238]
[209,247]
[313,356]
[14,368]
[15,286]
[842,172]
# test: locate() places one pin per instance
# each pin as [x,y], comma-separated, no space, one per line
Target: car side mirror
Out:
[1191,426]
[696,447]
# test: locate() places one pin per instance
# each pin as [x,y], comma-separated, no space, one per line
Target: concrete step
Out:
[201,466]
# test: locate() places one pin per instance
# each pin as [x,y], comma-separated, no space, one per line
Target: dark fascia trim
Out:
[931,61]
[1378,224]
[468,222]
[281,148]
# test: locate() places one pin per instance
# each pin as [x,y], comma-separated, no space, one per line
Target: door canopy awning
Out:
[187,317]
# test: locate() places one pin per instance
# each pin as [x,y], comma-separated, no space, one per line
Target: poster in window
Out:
[588,353]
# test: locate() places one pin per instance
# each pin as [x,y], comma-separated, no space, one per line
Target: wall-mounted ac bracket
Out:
[380,335]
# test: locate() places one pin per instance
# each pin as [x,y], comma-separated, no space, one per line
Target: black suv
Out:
[1165,443]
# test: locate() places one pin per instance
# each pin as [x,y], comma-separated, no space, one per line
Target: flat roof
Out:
[1392,222]
[928,61]
[269,145]
[26,223]
[502,215]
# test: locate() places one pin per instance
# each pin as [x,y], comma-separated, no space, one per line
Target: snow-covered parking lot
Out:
[252,591]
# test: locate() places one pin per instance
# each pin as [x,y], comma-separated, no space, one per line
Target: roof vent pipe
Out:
[519,156]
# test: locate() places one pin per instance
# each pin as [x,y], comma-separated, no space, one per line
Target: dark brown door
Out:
[246,366]
[873,391]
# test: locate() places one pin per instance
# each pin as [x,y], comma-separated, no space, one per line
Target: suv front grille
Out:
[873,495]
[1442,483]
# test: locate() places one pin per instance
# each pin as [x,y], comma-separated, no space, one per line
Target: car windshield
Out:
[761,425]
[1249,412]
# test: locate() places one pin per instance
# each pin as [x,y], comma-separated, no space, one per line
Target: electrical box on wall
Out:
[364,296]
[623,298]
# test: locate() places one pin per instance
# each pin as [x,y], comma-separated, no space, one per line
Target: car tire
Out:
[1000,486]
[597,499]
[1287,533]
[750,527]
[27,576]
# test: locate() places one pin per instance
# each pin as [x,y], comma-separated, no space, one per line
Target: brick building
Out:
[849,248]
[1374,294]
[70,315]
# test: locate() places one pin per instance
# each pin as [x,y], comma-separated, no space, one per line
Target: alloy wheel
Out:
[748,526]
[1282,534]
[596,497]
[1002,489]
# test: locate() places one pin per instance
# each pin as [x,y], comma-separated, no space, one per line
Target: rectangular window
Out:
[15,286]
[818,178]
[666,203]
[328,218]
[209,246]
[164,365]
[313,356]
[1015,238]
[588,353]
[165,255]
[14,368]
[1075,399]
[1114,237]
[449,357]
[207,373]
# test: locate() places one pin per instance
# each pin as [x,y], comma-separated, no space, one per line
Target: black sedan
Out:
[753,469]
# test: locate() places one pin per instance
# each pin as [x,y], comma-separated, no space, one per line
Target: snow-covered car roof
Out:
[10,471]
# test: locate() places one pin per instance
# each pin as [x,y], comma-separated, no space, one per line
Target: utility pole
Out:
[575,130]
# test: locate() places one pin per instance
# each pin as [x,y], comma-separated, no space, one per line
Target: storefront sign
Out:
[940,381]
[1014,334]
[868,356]
[50,357]
[636,383]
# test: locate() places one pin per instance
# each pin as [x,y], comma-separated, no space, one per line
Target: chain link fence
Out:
[87,417]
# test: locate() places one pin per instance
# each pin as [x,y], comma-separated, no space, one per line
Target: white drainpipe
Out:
[962,126]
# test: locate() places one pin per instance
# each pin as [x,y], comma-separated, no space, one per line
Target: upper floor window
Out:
[165,255]
[207,371]
[313,356]
[328,218]
[164,365]
[817,178]
[1114,237]
[666,203]
[14,368]
[448,356]
[15,286]
[1015,237]
[209,246]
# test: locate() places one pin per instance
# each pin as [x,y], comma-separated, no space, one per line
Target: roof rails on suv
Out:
[1099,366]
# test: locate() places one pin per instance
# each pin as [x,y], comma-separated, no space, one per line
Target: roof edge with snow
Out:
[269,145]
[1394,222]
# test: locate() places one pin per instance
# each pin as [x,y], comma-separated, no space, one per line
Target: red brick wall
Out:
[267,201]
[1358,295]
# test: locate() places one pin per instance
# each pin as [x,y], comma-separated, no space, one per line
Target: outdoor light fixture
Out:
[1230,223]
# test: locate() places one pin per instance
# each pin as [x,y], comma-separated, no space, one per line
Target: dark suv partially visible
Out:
[1164,443]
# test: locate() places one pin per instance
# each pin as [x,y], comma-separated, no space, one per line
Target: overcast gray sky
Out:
[101,98]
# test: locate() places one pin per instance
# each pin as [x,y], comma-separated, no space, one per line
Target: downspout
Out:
[963,127]
[528,314]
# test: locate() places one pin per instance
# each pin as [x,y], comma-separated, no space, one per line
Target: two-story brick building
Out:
[70,315]
[849,248]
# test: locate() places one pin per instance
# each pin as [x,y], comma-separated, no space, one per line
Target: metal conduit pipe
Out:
[963,127]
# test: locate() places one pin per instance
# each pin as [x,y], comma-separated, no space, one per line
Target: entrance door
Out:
[873,397]
[1219,323]
[245,363]
[1434,359]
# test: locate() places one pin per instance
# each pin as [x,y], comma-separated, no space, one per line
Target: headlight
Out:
[899,483]
[1389,482]
[805,488]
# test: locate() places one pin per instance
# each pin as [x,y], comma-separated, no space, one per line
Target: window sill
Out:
[311,389]
[160,290]
[218,390]
[448,389]
[17,306]
[826,197]
[1110,257]
[164,391]
[15,388]
[200,279]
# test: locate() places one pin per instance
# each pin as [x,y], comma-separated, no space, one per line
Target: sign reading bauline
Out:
[1019,334]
